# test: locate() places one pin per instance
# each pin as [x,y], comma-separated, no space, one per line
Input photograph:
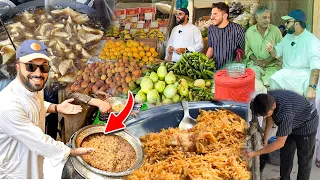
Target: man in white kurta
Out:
[301,55]
[184,38]
[22,118]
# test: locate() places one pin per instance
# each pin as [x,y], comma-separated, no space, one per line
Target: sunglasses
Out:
[287,22]
[34,67]
[179,14]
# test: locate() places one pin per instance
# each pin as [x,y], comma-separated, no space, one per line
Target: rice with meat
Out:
[209,150]
[112,153]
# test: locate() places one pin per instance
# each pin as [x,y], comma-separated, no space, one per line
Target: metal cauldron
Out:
[77,168]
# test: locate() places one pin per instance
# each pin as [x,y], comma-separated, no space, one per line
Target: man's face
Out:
[290,26]
[33,81]
[217,16]
[180,17]
[263,20]
[270,112]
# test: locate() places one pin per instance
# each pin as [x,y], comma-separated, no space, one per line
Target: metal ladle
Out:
[187,122]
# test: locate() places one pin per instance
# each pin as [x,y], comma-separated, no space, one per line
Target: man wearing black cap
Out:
[184,38]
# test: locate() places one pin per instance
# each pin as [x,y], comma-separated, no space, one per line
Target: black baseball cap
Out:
[184,10]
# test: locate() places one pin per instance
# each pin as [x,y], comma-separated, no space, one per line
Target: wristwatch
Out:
[314,86]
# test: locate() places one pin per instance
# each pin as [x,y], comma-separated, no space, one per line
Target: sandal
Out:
[318,163]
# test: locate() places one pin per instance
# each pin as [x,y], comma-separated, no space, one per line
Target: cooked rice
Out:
[112,153]
[210,150]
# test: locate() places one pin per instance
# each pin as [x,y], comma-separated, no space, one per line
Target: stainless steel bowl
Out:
[90,172]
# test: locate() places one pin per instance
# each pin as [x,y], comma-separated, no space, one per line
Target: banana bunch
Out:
[112,31]
[125,34]
[156,33]
[140,33]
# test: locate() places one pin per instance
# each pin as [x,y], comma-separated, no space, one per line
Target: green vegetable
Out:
[199,83]
[159,86]
[169,91]
[183,91]
[153,96]
[170,78]
[140,97]
[176,98]
[146,84]
[154,77]
[167,101]
[162,71]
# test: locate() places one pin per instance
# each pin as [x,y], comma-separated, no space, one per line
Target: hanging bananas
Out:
[125,34]
[112,31]
[140,33]
[156,33]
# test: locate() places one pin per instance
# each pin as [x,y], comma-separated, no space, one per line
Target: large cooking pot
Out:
[155,119]
[57,4]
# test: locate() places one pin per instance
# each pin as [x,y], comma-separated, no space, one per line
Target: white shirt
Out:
[22,141]
[300,54]
[187,36]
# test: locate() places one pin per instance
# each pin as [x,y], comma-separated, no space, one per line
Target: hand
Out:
[67,108]
[265,142]
[104,106]
[180,50]
[103,94]
[269,46]
[170,49]
[260,62]
[80,151]
[311,93]
[249,154]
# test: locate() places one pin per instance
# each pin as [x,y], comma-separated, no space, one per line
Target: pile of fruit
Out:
[112,77]
[156,33]
[131,49]
[113,31]
[163,87]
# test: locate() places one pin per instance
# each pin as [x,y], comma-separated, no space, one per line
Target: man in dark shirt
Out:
[224,37]
[297,120]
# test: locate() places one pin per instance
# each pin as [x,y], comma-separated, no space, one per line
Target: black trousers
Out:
[305,145]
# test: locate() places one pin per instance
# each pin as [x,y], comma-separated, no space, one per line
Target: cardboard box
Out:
[144,10]
[151,42]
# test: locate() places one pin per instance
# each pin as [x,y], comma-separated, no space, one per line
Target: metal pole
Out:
[7,33]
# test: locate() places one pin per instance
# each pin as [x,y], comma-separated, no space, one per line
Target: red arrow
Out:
[116,122]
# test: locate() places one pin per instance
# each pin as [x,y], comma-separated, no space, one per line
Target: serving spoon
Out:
[187,122]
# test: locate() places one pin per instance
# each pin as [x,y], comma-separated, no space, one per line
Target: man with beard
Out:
[257,58]
[224,37]
[184,38]
[22,111]
[299,50]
